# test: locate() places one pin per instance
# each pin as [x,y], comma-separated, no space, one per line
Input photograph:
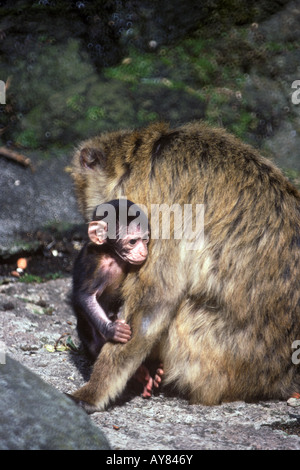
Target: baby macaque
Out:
[118,235]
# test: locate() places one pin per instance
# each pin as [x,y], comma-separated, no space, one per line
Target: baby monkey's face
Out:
[132,245]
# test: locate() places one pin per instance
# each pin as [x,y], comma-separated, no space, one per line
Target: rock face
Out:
[35,416]
[33,318]
[117,65]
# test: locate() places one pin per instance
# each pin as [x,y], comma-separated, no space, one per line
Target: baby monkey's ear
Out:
[97,231]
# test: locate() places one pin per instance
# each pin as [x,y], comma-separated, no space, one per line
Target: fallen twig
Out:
[17,157]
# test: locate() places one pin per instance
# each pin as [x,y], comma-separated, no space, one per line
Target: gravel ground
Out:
[36,317]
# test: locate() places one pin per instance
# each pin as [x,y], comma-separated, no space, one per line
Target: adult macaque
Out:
[118,243]
[222,317]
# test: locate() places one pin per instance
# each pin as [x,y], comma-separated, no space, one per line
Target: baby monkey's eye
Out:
[133,241]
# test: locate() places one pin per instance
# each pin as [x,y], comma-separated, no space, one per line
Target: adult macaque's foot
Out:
[143,376]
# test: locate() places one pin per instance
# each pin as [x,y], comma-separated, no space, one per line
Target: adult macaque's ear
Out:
[97,232]
[90,158]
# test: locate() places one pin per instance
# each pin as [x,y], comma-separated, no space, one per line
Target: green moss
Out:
[133,68]
[245,122]
[27,139]
[146,116]
[293,176]
[57,227]
[29,278]
[53,276]
[75,103]
[94,113]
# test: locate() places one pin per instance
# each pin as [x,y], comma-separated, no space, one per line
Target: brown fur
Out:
[224,317]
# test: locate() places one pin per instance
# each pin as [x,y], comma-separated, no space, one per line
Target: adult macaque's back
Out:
[223,316]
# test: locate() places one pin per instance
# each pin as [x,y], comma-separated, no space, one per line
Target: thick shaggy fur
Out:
[223,318]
